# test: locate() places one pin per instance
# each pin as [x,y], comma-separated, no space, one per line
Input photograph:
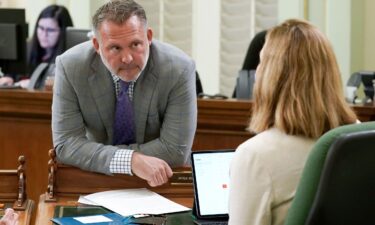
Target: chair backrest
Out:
[198,84]
[245,83]
[337,183]
[251,60]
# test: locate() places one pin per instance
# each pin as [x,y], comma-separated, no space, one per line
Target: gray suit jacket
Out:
[84,99]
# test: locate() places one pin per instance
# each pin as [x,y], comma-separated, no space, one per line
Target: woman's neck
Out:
[47,55]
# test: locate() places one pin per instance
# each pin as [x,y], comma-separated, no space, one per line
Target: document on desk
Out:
[104,219]
[127,202]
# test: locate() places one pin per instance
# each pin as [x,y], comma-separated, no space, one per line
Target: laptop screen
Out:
[211,179]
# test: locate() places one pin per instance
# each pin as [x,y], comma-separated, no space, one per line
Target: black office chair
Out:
[250,64]
[198,83]
[337,186]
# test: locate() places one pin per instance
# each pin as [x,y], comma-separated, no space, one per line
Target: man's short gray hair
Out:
[118,11]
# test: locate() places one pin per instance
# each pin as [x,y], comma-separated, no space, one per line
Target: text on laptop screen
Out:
[211,173]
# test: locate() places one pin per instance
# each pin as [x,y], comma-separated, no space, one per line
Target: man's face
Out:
[124,48]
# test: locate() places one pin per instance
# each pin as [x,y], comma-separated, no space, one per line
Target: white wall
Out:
[358,36]
[206,51]
[12,3]
[317,13]
[369,36]
[290,9]
[347,24]
[338,31]
[78,9]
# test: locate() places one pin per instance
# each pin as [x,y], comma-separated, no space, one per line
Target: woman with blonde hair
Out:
[298,96]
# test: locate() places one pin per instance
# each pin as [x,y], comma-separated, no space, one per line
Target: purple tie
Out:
[124,128]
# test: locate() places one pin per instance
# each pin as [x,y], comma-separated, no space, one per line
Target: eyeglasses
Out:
[49,30]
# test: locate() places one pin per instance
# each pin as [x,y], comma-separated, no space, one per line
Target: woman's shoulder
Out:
[273,140]
[267,136]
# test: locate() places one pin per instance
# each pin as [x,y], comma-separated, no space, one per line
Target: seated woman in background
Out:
[47,41]
[298,96]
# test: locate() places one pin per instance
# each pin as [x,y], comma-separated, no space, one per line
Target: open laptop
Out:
[210,171]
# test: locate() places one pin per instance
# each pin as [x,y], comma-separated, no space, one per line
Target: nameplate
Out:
[182,178]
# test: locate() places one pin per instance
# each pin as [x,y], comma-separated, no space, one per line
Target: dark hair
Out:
[118,11]
[252,56]
[63,19]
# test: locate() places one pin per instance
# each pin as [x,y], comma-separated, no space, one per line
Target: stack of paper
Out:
[127,202]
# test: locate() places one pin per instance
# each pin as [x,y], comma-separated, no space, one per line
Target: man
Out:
[159,82]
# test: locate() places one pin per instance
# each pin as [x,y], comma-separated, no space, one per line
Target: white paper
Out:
[85,201]
[127,202]
[92,219]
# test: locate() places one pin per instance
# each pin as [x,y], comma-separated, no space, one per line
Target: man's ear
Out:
[149,35]
[95,42]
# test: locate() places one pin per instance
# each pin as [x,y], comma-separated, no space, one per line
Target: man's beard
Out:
[106,64]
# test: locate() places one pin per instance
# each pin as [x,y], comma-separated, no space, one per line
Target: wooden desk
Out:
[25,121]
[222,124]
[24,216]
[13,192]
[66,184]
[365,112]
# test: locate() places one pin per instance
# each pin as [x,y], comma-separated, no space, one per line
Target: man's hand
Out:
[10,217]
[154,170]
[6,81]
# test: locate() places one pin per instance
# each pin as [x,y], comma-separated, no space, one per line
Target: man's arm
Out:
[69,131]
[179,125]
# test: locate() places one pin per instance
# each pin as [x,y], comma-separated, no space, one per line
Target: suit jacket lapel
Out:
[143,93]
[103,92]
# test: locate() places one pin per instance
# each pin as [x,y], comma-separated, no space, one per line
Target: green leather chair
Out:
[337,185]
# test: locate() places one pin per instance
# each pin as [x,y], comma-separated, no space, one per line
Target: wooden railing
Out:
[66,180]
[13,192]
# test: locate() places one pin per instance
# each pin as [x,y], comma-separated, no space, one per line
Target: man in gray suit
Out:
[161,91]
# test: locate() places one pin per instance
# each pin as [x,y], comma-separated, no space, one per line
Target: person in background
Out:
[124,102]
[298,96]
[252,56]
[47,41]
[10,217]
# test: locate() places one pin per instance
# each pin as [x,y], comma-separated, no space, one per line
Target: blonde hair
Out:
[298,86]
